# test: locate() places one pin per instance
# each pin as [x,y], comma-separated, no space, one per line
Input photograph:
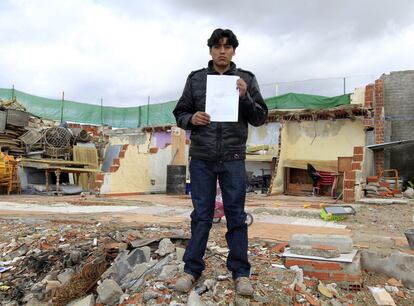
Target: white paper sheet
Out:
[222,98]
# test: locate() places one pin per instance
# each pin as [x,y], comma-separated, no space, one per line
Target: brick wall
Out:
[350,177]
[330,271]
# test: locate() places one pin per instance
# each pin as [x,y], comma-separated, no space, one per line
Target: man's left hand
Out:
[242,87]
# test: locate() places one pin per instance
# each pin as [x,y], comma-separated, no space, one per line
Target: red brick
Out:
[358,150]
[125,146]
[116,161]
[372,179]
[153,150]
[356,166]
[278,248]
[318,275]
[358,157]
[385,184]
[323,247]
[349,184]
[296,262]
[350,175]
[100,176]
[345,277]
[113,168]
[121,154]
[349,195]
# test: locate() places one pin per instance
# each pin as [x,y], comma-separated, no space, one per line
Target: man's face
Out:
[222,53]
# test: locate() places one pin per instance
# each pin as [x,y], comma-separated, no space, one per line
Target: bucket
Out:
[176,179]
[409,234]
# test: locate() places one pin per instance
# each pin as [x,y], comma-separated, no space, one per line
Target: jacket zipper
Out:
[219,136]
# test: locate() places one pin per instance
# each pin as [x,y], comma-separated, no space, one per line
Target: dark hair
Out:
[219,34]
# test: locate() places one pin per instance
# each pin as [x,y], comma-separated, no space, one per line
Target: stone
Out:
[260,299]
[147,253]
[137,256]
[335,302]
[65,276]
[165,247]
[86,301]
[75,257]
[409,193]
[136,273]
[343,243]
[52,285]
[168,272]
[109,292]
[194,299]
[124,264]
[180,253]
[316,250]
[150,295]
[240,301]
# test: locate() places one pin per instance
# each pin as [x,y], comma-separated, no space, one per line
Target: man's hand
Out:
[200,118]
[242,87]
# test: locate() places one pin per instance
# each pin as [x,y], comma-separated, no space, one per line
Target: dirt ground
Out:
[379,227]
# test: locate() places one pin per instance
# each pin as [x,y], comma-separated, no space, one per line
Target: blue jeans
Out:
[232,180]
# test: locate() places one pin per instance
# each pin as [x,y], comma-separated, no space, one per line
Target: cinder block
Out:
[343,243]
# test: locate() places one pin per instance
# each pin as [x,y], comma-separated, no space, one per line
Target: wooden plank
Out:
[344,163]
[54,161]
[320,165]
[178,147]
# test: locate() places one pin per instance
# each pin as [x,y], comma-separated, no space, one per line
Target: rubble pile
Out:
[62,263]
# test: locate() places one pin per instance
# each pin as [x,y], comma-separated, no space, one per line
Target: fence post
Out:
[148,104]
[102,121]
[61,108]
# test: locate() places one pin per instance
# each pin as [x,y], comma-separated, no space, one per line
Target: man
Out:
[218,151]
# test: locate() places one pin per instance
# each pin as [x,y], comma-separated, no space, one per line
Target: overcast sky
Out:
[124,51]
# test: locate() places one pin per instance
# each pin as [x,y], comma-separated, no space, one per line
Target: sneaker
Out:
[184,283]
[243,286]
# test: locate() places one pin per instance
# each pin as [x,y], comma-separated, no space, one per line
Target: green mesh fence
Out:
[144,115]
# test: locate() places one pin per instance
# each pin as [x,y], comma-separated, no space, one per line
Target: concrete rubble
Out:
[39,271]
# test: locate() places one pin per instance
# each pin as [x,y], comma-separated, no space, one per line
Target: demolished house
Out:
[347,139]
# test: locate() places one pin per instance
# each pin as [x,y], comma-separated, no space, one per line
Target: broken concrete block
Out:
[165,247]
[398,265]
[194,299]
[381,296]
[137,256]
[123,264]
[86,301]
[109,292]
[318,250]
[180,253]
[147,253]
[65,276]
[343,243]
[136,273]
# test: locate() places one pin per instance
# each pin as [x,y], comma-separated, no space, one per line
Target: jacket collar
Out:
[231,70]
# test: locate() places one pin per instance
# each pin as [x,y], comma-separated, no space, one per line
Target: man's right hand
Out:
[200,118]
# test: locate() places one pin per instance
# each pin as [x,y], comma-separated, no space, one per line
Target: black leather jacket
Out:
[219,141]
